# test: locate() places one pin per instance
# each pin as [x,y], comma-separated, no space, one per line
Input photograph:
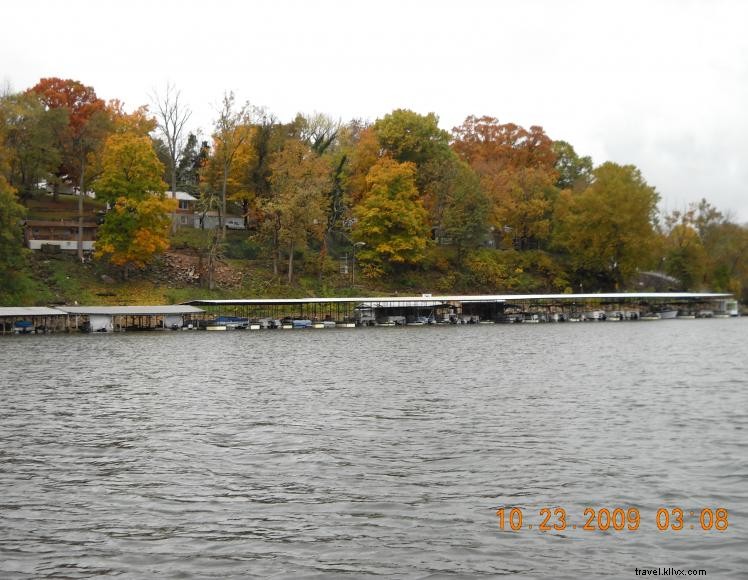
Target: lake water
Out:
[372,452]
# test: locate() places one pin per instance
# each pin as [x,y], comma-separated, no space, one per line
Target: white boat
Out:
[594,315]
[668,314]
[651,316]
[329,324]
[318,325]
[216,327]
[614,316]
[391,321]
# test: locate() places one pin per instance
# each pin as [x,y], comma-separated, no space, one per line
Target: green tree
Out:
[727,247]
[574,172]
[191,161]
[457,205]
[31,137]
[608,229]
[408,137]
[391,220]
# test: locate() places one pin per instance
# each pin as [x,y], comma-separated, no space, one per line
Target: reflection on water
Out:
[371,452]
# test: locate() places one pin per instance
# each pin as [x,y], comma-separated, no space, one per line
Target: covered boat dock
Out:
[31,319]
[119,318]
[491,307]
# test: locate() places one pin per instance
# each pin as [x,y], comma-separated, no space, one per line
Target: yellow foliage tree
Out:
[608,229]
[134,232]
[391,220]
[130,168]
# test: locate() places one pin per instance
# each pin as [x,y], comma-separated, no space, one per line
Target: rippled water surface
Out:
[372,452]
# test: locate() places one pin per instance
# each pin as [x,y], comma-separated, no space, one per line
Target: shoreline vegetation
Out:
[325,207]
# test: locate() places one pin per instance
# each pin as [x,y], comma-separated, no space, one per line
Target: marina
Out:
[350,312]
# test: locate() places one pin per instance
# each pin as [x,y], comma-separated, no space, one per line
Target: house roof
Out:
[181,195]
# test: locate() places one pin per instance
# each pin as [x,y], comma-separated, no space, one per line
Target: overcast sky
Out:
[660,84]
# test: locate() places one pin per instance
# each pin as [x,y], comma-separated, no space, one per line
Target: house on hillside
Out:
[62,234]
[184,215]
[187,214]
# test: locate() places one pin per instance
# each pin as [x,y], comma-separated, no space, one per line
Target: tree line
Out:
[488,206]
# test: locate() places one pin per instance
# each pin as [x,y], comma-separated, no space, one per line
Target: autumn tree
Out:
[318,131]
[87,126]
[685,257]
[517,171]
[391,220]
[236,185]
[130,169]
[232,130]
[139,122]
[296,212]
[608,229]
[11,239]
[134,231]
[364,153]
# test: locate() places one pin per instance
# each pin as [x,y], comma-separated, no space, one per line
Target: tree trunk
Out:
[212,261]
[81,193]
[174,194]
[276,250]
[290,263]
[222,216]
[322,256]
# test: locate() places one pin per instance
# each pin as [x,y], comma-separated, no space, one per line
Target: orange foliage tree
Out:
[517,171]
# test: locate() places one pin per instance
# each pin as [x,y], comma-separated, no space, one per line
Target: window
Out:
[184,204]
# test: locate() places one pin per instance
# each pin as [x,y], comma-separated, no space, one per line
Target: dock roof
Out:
[131,310]
[7,311]
[428,299]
